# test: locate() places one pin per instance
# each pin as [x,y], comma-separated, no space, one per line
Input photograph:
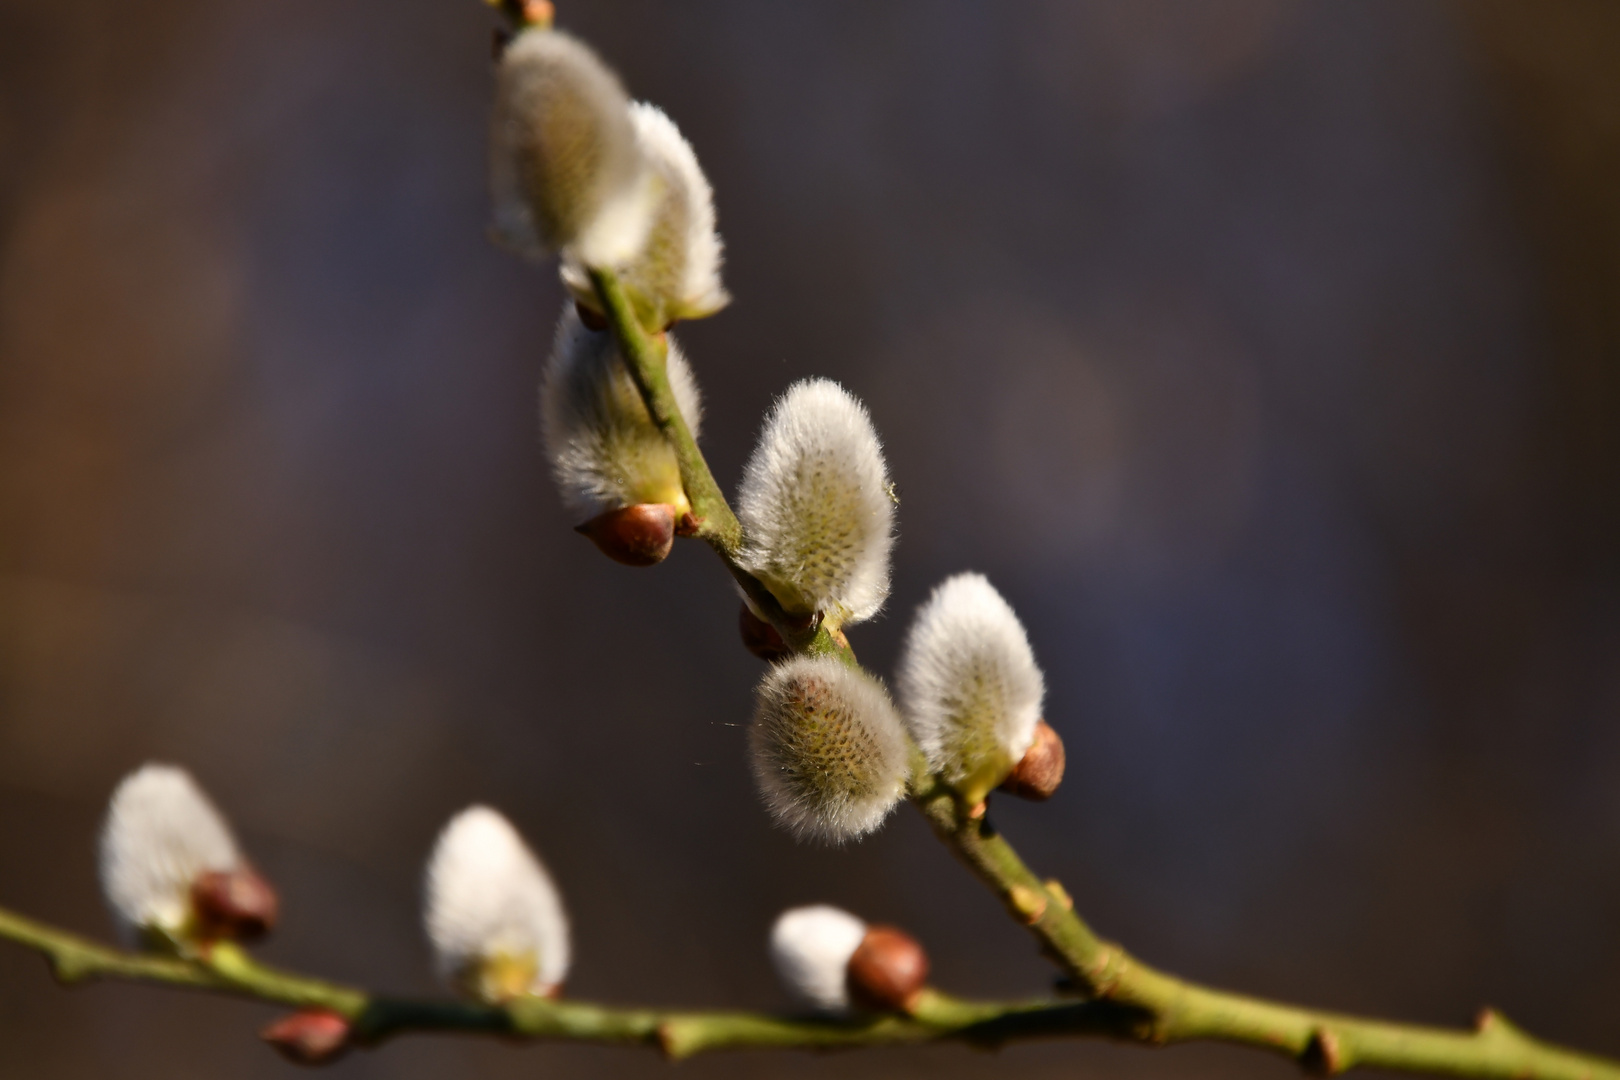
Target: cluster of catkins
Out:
[581,171]
[177,883]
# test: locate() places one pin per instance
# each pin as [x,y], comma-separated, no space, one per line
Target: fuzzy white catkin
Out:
[605,450]
[565,168]
[828,749]
[676,273]
[970,690]
[488,897]
[161,833]
[815,506]
[811,949]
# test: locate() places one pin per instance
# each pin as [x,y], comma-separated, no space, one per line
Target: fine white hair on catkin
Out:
[160,835]
[605,450]
[811,949]
[828,749]
[817,516]
[489,897]
[565,168]
[676,274]
[970,690]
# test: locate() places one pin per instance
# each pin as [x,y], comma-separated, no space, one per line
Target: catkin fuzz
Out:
[161,835]
[816,508]
[676,273]
[606,453]
[566,171]
[970,690]
[828,749]
[493,915]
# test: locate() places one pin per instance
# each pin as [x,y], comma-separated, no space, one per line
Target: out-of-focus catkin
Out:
[970,690]
[832,961]
[828,749]
[810,949]
[170,868]
[816,507]
[566,170]
[494,917]
[676,273]
[605,450]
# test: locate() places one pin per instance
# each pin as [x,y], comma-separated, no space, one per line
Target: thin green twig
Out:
[646,355]
[226,969]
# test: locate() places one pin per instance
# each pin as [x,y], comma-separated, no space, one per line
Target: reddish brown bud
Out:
[236,904]
[309,1036]
[639,535]
[760,637]
[1041,771]
[888,970]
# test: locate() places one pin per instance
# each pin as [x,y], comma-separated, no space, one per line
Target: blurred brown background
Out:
[1264,354]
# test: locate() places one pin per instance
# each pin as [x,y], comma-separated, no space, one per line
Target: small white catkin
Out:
[828,749]
[565,169]
[811,948]
[161,833]
[970,690]
[676,274]
[488,898]
[605,450]
[817,515]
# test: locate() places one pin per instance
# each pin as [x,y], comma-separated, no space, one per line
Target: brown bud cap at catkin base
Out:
[760,637]
[639,535]
[236,904]
[1040,772]
[887,971]
[309,1036]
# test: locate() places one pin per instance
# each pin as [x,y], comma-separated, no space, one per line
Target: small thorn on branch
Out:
[1029,904]
[1324,1055]
[69,970]
[669,1044]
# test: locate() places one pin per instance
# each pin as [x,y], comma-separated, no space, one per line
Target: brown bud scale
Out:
[593,319]
[236,904]
[887,971]
[309,1036]
[639,535]
[1040,772]
[760,637]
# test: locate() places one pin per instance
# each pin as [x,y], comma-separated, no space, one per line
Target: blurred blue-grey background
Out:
[1266,355]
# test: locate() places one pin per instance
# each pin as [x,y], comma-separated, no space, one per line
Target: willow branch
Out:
[647,355]
[226,969]
[1182,1011]
[1154,1007]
